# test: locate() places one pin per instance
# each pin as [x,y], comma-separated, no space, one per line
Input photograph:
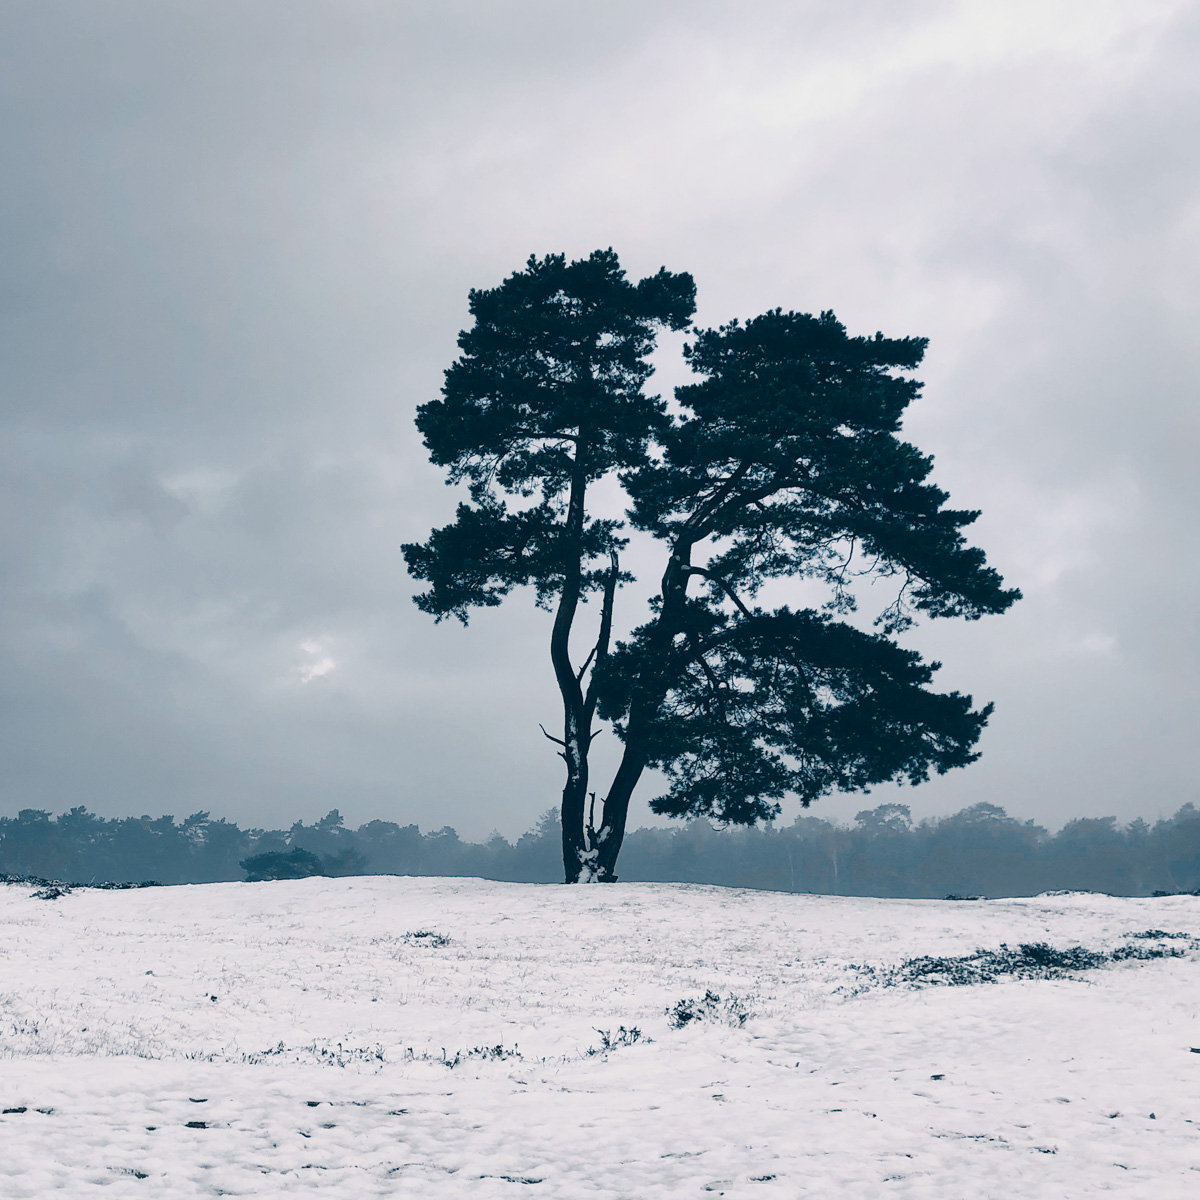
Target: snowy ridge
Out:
[433,1037]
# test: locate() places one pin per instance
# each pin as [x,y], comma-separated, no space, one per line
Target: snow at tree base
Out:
[462,1038]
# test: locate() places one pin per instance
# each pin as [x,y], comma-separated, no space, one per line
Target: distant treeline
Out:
[979,851]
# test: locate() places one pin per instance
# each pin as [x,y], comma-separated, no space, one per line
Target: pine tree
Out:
[787,464]
[784,462]
[546,399]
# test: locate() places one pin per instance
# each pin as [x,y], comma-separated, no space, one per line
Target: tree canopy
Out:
[781,463]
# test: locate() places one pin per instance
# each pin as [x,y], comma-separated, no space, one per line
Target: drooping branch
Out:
[897,616]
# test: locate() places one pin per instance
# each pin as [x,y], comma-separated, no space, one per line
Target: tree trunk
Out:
[649,691]
[611,833]
[577,855]
[575,737]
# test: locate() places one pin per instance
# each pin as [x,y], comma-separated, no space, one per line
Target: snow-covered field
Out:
[279,1038]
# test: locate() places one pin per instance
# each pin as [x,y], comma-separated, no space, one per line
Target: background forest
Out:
[980,851]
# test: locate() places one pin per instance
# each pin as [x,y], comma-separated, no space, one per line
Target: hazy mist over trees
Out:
[980,851]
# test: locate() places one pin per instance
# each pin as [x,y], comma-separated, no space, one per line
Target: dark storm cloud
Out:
[237,241]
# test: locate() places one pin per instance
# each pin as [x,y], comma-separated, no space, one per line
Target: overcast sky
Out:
[237,240]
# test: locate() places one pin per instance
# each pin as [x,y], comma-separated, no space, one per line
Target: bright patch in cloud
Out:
[321,664]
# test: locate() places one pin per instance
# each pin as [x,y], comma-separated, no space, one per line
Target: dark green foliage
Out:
[488,551]
[770,703]
[789,450]
[784,463]
[556,349]
[298,864]
[545,398]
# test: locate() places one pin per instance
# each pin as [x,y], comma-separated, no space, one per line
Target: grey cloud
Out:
[237,242]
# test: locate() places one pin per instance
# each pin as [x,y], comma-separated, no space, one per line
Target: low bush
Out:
[614,1041]
[729,1010]
[427,937]
[1031,960]
[299,864]
[53,889]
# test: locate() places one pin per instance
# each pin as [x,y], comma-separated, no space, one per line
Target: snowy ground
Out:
[270,1039]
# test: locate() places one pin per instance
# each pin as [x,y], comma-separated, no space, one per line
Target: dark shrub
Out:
[732,1011]
[299,864]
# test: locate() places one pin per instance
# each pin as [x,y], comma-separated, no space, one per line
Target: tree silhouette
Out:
[546,399]
[786,464]
[783,463]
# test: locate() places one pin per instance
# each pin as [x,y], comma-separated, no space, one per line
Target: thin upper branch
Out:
[697,520]
[704,520]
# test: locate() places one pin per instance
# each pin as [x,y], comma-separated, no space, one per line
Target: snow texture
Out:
[459,1038]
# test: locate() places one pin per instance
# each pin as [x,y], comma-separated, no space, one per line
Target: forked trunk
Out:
[578,836]
[580,842]
[574,744]
[650,689]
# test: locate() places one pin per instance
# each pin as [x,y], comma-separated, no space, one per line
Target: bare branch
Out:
[841,570]
[587,662]
[707,574]
[701,523]
[699,518]
[600,650]
[714,684]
